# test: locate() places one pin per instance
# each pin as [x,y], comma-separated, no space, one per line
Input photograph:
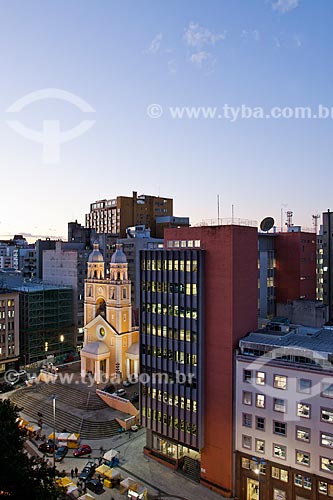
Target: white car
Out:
[120,392]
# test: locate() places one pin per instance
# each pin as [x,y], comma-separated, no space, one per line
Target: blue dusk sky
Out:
[122,56]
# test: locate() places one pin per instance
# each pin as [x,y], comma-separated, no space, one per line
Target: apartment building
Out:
[9,331]
[284,414]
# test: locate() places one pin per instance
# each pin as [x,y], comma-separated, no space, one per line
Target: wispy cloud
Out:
[155,44]
[250,35]
[200,42]
[297,41]
[284,6]
[197,37]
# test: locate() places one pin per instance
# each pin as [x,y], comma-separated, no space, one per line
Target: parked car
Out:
[88,471]
[84,449]
[109,388]
[120,392]
[95,486]
[134,428]
[61,453]
[47,447]
[134,397]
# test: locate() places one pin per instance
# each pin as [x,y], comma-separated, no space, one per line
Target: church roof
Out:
[96,255]
[118,257]
[96,348]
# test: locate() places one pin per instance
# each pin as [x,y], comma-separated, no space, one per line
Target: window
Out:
[260,401]
[298,480]
[260,423]
[303,410]
[307,483]
[303,434]
[280,382]
[276,472]
[327,390]
[327,415]
[260,446]
[326,440]
[247,376]
[322,487]
[304,385]
[279,451]
[326,464]
[280,405]
[260,378]
[247,420]
[247,398]
[302,458]
[247,442]
[279,494]
[280,428]
[245,463]
[284,475]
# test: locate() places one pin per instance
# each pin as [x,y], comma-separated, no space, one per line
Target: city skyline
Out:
[264,55]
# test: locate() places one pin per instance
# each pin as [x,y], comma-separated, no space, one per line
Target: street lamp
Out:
[54,432]
[62,338]
[259,462]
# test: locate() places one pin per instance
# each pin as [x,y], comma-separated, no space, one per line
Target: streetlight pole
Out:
[54,431]
[259,462]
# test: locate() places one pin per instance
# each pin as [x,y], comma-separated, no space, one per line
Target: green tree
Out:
[21,477]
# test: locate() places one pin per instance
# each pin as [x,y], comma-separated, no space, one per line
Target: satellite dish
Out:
[267,224]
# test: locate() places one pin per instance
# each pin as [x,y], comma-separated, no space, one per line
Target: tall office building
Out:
[327,264]
[198,298]
[115,215]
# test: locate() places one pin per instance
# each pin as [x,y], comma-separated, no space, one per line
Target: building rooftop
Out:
[293,343]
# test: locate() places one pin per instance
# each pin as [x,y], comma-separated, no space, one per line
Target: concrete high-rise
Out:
[198,298]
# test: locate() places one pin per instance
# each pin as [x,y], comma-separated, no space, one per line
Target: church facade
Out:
[111,344]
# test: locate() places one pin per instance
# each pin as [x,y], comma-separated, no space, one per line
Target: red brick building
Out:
[295,266]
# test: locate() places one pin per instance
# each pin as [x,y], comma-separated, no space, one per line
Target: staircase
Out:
[191,468]
[72,396]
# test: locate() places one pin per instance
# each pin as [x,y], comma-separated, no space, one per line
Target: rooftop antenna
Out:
[232,213]
[266,224]
[283,206]
[315,218]
[289,222]
[218,209]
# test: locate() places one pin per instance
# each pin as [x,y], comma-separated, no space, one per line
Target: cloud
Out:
[199,58]
[196,36]
[250,35]
[284,6]
[155,44]
[297,41]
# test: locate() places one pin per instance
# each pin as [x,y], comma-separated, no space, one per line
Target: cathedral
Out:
[111,344]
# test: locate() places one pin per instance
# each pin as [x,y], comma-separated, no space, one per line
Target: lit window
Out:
[260,378]
[280,382]
[260,446]
[322,487]
[326,464]
[303,410]
[302,458]
[279,494]
[327,415]
[303,434]
[279,451]
[326,440]
[260,401]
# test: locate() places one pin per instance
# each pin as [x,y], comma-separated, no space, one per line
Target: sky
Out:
[129,61]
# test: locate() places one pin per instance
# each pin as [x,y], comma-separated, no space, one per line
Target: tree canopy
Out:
[21,476]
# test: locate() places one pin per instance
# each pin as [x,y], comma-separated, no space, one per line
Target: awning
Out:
[73,437]
[51,436]
[86,496]
[109,455]
[63,436]
[33,427]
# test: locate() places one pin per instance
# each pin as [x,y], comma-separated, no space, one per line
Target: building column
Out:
[107,369]
[128,367]
[83,366]
[97,371]
[136,367]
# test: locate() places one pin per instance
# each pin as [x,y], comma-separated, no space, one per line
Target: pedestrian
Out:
[76,471]
[72,473]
